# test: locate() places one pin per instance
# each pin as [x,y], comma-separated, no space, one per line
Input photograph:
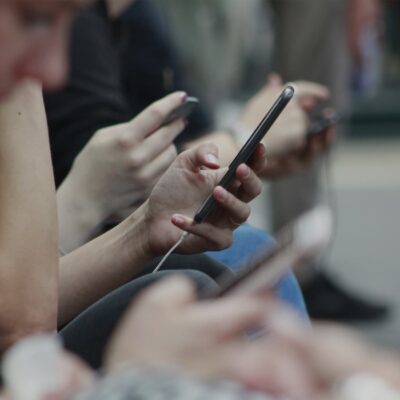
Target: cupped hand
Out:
[182,189]
[168,328]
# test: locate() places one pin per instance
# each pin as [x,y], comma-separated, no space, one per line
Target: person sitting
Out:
[88,112]
[39,291]
[207,357]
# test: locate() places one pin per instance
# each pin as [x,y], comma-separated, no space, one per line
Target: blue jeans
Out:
[247,241]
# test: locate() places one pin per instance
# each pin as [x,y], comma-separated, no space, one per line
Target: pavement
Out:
[364,190]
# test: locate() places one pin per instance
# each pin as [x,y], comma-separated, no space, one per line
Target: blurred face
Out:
[33,41]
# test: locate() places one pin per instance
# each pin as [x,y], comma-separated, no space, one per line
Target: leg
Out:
[246,242]
[305,28]
[88,334]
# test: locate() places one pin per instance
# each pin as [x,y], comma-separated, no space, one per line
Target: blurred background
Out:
[228,48]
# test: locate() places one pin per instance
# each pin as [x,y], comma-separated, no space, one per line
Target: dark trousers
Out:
[87,335]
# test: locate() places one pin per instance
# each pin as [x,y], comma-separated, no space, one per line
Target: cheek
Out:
[46,60]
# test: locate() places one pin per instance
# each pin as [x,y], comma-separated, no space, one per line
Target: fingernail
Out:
[177,219]
[183,96]
[221,194]
[210,158]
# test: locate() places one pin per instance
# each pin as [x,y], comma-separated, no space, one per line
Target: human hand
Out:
[289,131]
[182,189]
[300,159]
[118,166]
[38,368]
[168,328]
[116,7]
[322,362]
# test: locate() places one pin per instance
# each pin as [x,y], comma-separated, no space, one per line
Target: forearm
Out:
[28,221]
[78,217]
[227,146]
[102,265]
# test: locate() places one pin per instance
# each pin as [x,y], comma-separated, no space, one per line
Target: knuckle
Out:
[257,189]
[122,142]
[230,201]
[246,212]
[135,161]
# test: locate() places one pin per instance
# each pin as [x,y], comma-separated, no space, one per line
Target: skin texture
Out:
[33,41]
[33,37]
[115,257]
[206,339]
[117,168]
[120,164]
[287,148]
[28,220]
[211,341]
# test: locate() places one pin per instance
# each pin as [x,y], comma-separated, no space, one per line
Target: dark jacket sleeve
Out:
[93,97]
[151,65]
[117,69]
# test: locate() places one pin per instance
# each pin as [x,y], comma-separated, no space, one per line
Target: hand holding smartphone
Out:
[298,243]
[183,111]
[247,150]
[321,123]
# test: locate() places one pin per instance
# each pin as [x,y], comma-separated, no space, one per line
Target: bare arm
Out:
[102,265]
[28,222]
[112,259]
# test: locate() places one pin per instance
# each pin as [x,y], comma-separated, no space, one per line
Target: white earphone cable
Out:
[171,250]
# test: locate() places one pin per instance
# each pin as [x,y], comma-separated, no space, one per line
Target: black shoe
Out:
[325,299]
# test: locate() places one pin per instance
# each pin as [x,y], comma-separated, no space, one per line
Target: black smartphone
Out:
[247,150]
[319,124]
[298,243]
[183,111]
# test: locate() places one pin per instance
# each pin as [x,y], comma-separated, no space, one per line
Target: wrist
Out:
[135,238]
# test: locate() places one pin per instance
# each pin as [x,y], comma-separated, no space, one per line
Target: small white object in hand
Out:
[366,386]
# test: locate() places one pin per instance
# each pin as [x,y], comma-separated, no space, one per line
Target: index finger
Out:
[231,316]
[306,88]
[258,159]
[150,119]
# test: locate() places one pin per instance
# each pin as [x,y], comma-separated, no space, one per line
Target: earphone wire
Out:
[171,250]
